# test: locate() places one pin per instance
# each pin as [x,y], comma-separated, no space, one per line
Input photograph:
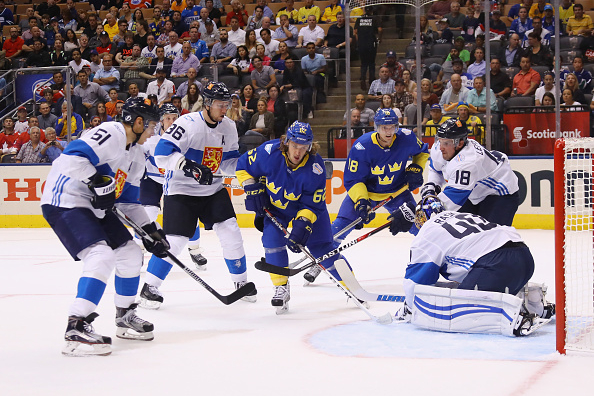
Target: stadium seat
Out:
[518,101]
[231,81]
[441,50]
[568,55]
[541,70]
[177,81]
[570,42]
[250,141]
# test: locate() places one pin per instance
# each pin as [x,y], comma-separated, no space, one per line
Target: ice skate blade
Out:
[148,304]
[250,299]
[81,349]
[306,283]
[201,267]
[282,310]
[130,334]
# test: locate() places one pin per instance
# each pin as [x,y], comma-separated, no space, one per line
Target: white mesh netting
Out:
[579,244]
[362,3]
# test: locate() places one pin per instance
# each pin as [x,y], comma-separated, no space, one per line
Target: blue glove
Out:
[202,174]
[299,234]
[430,189]
[103,189]
[256,198]
[159,245]
[402,219]
[363,207]
[413,176]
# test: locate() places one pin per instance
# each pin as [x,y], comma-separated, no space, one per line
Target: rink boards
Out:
[21,187]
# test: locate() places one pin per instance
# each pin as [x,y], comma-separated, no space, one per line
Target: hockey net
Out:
[574,239]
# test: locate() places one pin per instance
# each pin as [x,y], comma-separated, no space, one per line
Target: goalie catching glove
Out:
[202,174]
[103,189]
[413,176]
[158,244]
[430,189]
[402,219]
[299,234]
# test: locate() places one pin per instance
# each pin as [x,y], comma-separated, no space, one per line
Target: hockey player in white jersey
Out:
[151,185]
[191,150]
[469,178]
[95,172]
[488,265]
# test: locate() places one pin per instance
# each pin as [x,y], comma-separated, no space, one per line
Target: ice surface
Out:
[323,346]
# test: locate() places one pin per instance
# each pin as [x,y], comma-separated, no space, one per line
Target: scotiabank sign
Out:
[534,133]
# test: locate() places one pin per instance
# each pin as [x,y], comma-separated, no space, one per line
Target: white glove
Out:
[404,314]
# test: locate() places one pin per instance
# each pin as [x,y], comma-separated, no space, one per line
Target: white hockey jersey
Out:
[449,244]
[473,174]
[102,150]
[190,137]
[152,170]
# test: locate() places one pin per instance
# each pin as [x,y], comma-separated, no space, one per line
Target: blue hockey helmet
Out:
[452,129]
[385,117]
[301,133]
[168,108]
[139,107]
[427,207]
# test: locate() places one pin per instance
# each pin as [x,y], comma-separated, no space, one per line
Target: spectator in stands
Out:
[133,92]
[453,95]
[269,44]
[549,86]
[262,76]
[29,152]
[330,12]
[102,112]
[255,21]
[514,10]
[251,42]
[510,55]
[429,98]
[162,87]
[311,33]
[134,64]
[315,64]
[105,47]
[13,46]
[53,148]
[70,41]
[248,99]
[395,68]
[107,77]
[160,62]
[294,78]
[224,50]
[566,11]
[537,9]
[113,100]
[6,16]
[439,9]
[166,10]
[571,82]
[125,12]
[527,80]
[543,34]
[91,30]
[521,24]
[35,36]
[190,13]
[240,65]
[548,99]
[187,60]
[548,21]
[76,123]
[368,33]
[239,115]
[479,66]
[501,84]
[211,35]
[437,118]
[90,93]
[454,17]
[176,101]
[401,97]
[119,107]
[409,84]
[473,122]
[177,5]
[22,122]
[290,11]
[449,67]
[213,13]
[365,113]
[427,33]
[58,56]
[444,34]
[192,101]
[163,38]
[261,53]
[183,87]
[278,60]
[236,35]
[470,25]
[263,120]
[309,9]
[24,20]
[569,101]
[179,26]
[199,47]
[383,85]
[584,76]
[387,102]
[46,118]
[539,54]
[267,12]
[356,125]
[239,12]
[54,102]
[28,34]
[498,29]
[477,97]
[410,113]
[112,27]
[39,57]
[68,22]
[286,33]
[277,107]
[8,137]
[84,48]
[174,48]
[77,61]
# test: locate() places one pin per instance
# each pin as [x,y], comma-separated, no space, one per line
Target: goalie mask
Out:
[427,207]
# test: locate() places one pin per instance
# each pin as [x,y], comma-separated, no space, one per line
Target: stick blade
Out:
[239,293]
[384,319]
[262,265]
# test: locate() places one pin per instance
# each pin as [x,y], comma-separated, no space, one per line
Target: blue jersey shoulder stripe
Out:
[130,194]
[457,196]
[80,148]
[423,273]
[165,148]
[230,155]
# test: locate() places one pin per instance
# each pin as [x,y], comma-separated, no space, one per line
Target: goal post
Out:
[574,244]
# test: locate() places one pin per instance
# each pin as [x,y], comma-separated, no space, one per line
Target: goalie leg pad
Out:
[465,311]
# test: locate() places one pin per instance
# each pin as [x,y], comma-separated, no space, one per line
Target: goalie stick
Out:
[264,266]
[353,284]
[229,299]
[384,319]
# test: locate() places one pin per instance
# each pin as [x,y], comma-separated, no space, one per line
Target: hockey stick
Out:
[229,299]
[384,319]
[264,266]
[353,284]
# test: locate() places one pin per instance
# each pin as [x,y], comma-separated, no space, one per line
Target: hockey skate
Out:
[198,259]
[311,275]
[528,323]
[280,300]
[150,297]
[130,326]
[251,297]
[81,339]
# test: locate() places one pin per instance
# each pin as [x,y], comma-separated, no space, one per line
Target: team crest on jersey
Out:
[120,179]
[268,148]
[317,169]
[359,146]
[162,171]
[213,156]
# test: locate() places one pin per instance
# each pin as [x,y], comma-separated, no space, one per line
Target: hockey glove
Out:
[403,218]
[158,245]
[363,209]
[430,189]
[256,198]
[404,314]
[103,189]
[199,172]
[299,234]
[413,176]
